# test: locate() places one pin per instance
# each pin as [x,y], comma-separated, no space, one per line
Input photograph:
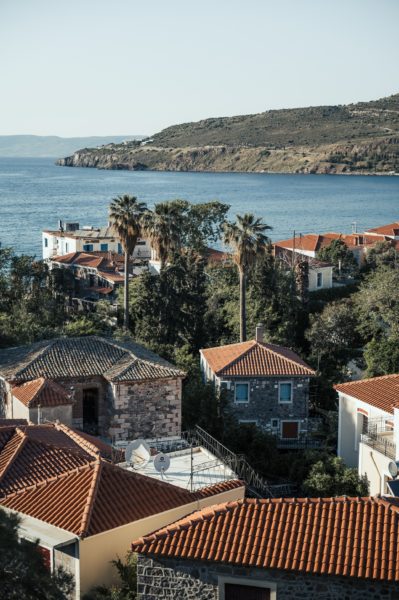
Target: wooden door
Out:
[289,430]
[233,591]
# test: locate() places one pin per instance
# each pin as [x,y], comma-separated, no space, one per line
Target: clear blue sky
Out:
[107,67]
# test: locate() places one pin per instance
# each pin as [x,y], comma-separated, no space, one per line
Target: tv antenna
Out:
[161,463]
[137,454]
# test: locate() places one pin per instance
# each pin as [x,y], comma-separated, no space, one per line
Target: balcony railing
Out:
[380,442]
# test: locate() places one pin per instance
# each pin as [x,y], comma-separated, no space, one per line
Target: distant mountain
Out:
[53,146]
[356,138]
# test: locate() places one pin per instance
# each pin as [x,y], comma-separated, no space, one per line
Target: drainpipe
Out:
[377,469]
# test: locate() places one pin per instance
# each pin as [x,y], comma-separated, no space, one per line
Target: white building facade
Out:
[368,428]
[71,238]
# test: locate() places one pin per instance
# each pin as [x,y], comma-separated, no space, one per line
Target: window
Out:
[242,392]
[289,430]
[88,247]
[104,247]
[66,247]
[45,242]
[319,280]
[119,248]
[140,243]
[248,421]
[274,423]
[285,392]
[245,588]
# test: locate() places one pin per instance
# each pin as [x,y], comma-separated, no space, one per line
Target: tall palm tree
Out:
[126,213]
[246,237]
[162,227]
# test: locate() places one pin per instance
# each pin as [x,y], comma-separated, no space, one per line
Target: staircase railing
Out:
[256,484]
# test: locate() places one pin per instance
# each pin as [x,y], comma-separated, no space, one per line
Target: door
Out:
[289,430]
[233,591]
[90,411]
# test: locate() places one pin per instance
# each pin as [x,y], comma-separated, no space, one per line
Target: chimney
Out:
[259,332]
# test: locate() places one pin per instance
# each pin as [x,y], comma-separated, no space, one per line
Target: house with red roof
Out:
[275,549]
[390,231]
[265,384]
[119,390]
[368,428]
[84,509]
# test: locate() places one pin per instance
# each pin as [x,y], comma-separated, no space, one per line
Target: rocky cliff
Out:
[359,138]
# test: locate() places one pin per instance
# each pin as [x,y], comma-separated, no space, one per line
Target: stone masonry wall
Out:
[188,580]
[75,386]
[146,409]
[263,405]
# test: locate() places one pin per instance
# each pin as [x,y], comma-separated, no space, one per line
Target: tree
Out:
[331,477]
[23,573]
[246,237]
[162,227]
[338,254]
[382,254]
[126,215]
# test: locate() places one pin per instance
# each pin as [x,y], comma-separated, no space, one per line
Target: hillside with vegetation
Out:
[356,138]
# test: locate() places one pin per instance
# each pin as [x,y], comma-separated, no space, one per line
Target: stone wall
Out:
[188,580]
[263,405]
[146,409]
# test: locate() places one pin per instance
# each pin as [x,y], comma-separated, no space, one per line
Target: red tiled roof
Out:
[392,229]
[57,475]
[114,277]
[309,242]
[354,537]
[253,358]
[381,392]
[80,258]
[43,392]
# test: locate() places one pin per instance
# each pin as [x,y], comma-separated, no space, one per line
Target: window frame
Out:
[104,247]
[319,275]
[280,383]
[261,583]
[91,249]
[235,392]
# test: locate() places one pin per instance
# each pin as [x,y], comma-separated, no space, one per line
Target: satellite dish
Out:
[137,454]
[161,462]
[393,469]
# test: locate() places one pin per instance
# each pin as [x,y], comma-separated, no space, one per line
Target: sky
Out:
[125,67]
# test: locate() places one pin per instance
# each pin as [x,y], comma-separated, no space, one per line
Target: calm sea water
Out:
[35,194]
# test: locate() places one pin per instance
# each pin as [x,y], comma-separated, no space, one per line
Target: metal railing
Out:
[380,443]
[256,484]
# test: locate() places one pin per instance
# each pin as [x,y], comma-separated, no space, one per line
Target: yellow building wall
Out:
[97,552]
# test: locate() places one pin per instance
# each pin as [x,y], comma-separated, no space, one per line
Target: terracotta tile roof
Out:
[86,356]
[43,392]
[309,242]
[353,537]
[382,392]
[392,229]
[114,277]
[96,497]
[58,475]
[253,358]
[312,242]
[29,458]
[100,290]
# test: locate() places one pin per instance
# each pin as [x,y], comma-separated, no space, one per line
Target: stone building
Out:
[267,385]
[278,549]
[116,390]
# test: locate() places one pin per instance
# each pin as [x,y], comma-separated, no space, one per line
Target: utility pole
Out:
[293,251]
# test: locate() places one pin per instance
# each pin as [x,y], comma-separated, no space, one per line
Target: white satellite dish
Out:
[161,462]
[137,454]
[393,469]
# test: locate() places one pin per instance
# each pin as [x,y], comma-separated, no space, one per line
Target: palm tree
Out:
[162,228]
[246,237]
[126,213]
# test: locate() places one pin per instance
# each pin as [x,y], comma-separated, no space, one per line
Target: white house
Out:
[368,428]
[71,238]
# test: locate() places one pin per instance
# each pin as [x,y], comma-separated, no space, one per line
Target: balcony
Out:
[379,436]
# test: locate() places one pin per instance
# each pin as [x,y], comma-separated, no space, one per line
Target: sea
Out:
[35,194]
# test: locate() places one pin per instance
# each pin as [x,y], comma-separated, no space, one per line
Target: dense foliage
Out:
[23,573]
